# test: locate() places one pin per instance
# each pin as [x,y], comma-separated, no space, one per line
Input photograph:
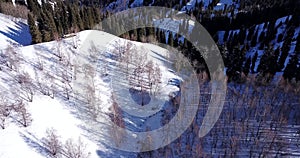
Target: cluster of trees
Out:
[59,18]
[253,123]
[23,86]
[141,72]
[21,89]
[236,44]
[273,59]
[16,110]
[18,11]
[70,149]
[50,21]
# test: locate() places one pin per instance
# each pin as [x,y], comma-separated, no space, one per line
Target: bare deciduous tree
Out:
[75,149]
[23,115]
[58,48]
[94,52]
[26,86]
[18,11]
[118,122]
[52,143]
[5,110]
[150,74]
[156,79]
[11,58]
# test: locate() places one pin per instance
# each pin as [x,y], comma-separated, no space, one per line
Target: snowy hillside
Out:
[49,84]
[281,29]
[13,31]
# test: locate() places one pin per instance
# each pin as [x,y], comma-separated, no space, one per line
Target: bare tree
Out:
[139,57]
[52,143]
[58,48]
[150,74]
[45,83]
[76,38]
[156,79]
[93,52]
[5,111]
[40,65]
[75,150]
[89,71]
[120,48]
[93,100]
[18,11]
[11,58]
[23,115]
[127,58]
[66,74]
[118,122]
[26,86]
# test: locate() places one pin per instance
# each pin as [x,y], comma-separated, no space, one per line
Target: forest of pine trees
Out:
[53,19]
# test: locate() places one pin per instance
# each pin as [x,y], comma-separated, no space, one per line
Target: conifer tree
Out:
[33,7]
[284,53]
[246,68]
[34,30]
[170,39]
[72,16]
[291,69]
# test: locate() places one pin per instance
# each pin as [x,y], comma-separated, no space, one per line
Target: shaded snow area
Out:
[118,5]
[71,88]
[221,5]
[172,26]
[136,3]
[190,5]
[13,31]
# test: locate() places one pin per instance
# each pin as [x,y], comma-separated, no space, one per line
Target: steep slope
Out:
[51,83]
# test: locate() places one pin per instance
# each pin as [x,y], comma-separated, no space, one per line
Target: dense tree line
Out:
[51,21]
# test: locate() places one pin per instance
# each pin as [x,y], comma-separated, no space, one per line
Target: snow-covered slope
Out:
[13,31]
[54,70]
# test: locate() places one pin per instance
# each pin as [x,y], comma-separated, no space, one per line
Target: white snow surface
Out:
[60,114]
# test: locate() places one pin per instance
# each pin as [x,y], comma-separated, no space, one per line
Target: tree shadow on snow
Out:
[113,152]
[21,35]
[34,143]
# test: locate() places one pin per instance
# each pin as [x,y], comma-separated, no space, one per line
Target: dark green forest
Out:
[54,19]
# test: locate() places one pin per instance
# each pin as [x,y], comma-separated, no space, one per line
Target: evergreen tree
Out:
[33,7]
[266,65]
[141,34]
[97,16]
[261,37]
[170,39]
[246,68]
[254,39]
[46,36]
[291,69]
[34,30]
[91,17]
[250,33]
[285,49]
[72,16]
[242,36]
